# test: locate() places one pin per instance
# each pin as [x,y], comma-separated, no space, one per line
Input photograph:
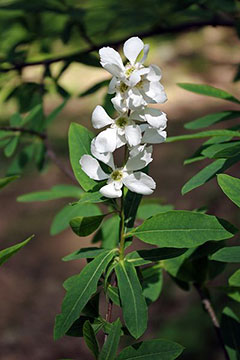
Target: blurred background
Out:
[187,48]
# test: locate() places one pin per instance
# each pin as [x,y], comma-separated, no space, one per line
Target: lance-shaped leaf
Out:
[146,210]
[113,294]
[230,327]
[10,251]
[94,197]
[108,234]
[79,291]
[133,302]
[142,257]
[222,151]
[207,173]
[56,192]
[11,146]
[84,226]
[211,119]
[152,282]
[229,254]
[6,180]
[79,139]
[181,229]
[84,253]
[152,350]
[62,218]
[230,186]
[204,134]
[234,280]
[209,91]
[110,347]
[90,338]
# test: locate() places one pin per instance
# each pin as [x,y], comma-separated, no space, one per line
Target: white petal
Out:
[121,140]
[154,117]
[154,136]
[92,168]
[133,135]
[106,158]
[100,118]
[140,183]
[145,53]
[154,93]
[155,73]
[141,158]
[110,191]
[132,48]
[119,102]
[134,78]
[111,61]
[106,141]
[112,85]
[135,99]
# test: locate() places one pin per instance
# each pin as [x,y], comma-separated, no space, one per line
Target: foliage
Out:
[189,245]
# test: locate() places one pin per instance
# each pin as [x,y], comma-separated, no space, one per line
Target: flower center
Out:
[122,87]
[122,122]
[129,70]
[116,175]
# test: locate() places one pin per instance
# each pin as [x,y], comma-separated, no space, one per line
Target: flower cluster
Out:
[136,125]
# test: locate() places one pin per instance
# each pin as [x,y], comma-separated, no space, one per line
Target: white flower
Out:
[123,130]
[135,85]
[111,60]
[137,182]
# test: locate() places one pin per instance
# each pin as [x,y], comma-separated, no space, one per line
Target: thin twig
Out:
[42,136]
[159,30]
[212,315]
[50,152]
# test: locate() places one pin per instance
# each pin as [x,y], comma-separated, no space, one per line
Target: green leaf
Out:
[131,203]
[110,346]
[62,218]
[212,119]
[84,226]
[207,173]
[219,151]
[94,88]
[94,197]
[56,192]
[133,303]
[90,338]
[11,146]
[181,229]
[234,280]
[84,253]
[10,251]
[204,134]
[152,282]
[147,210]
[108,234]
[83,286]
[33,114]
[209,91]
[142,257]
[52,116]
[6,180]
[230,186]
[230,328]
[229,254]
[15,120]
[151,350]
[79,144]
[113,293]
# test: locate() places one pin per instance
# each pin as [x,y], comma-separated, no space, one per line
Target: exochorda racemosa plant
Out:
[187,243]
